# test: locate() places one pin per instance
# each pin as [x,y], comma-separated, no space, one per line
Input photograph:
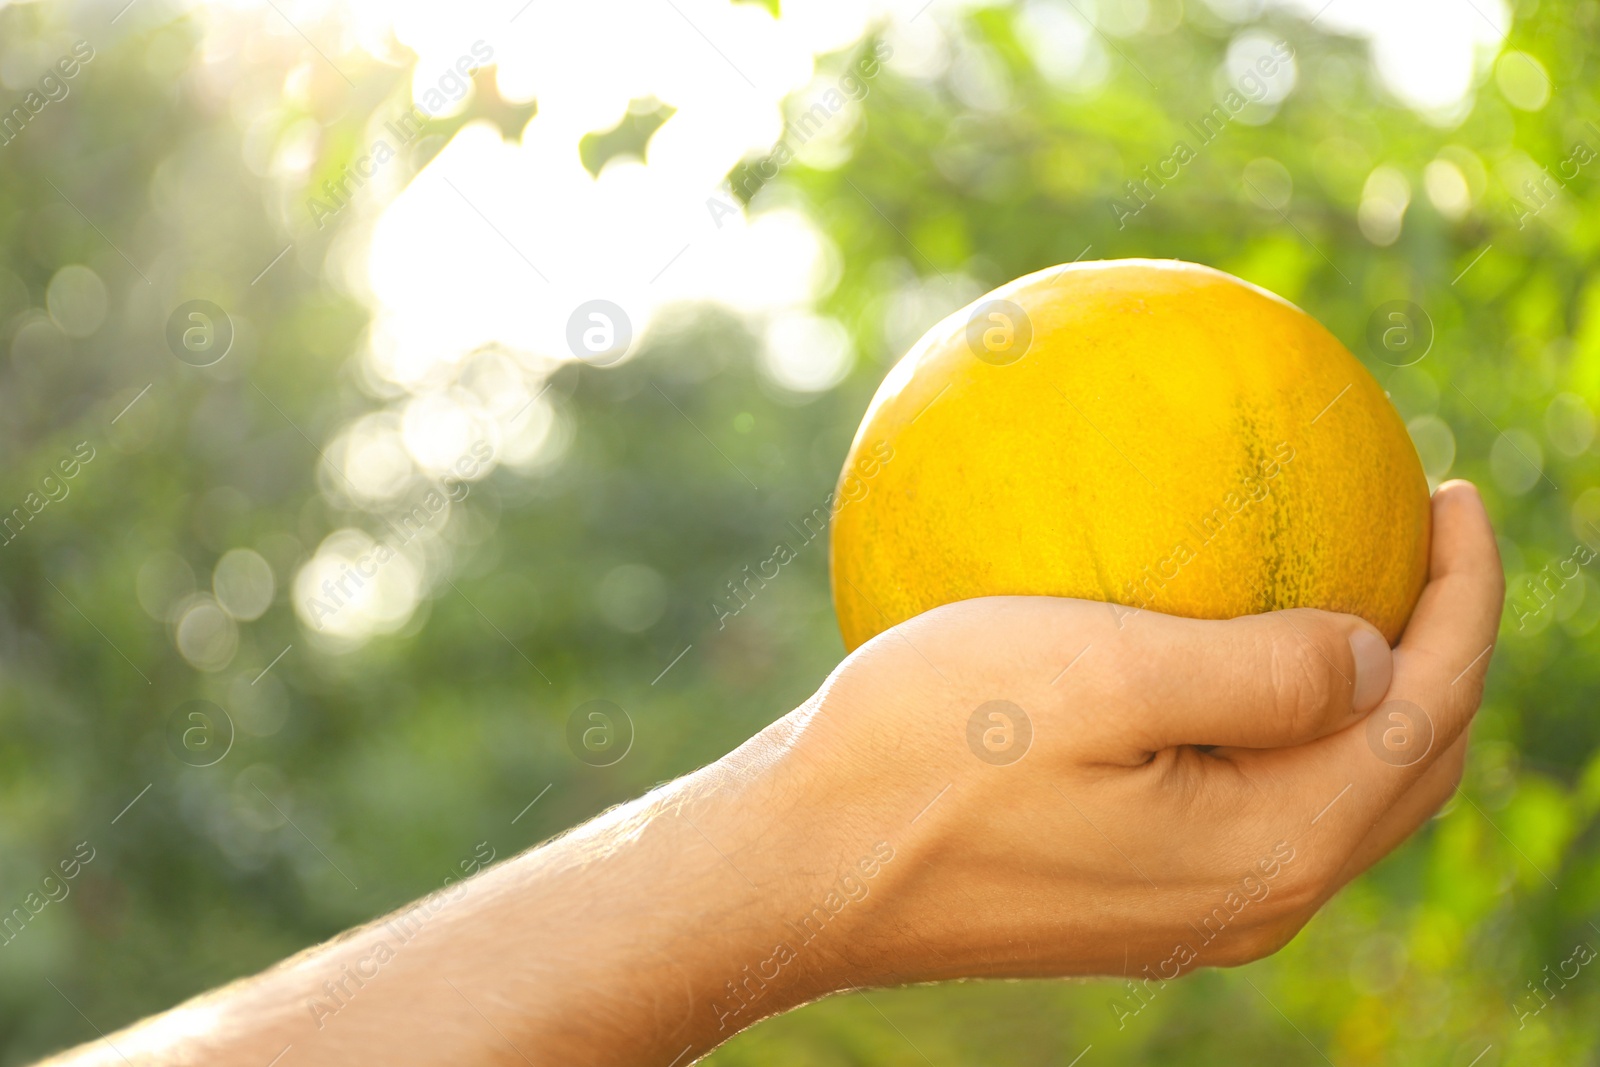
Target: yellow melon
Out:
[1154,434]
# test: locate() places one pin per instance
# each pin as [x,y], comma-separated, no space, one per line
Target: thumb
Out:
[1261,681]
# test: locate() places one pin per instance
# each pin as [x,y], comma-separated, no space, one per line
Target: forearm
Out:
[647,935]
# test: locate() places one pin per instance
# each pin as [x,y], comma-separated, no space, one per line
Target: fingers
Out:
[1419,804]
[1261,681]
[1443,655]
[1401,762]
[1464,554]
[1441,662]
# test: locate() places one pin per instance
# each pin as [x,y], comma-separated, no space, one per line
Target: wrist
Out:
[789,867]
[805,868]
[707,871]
[758,881]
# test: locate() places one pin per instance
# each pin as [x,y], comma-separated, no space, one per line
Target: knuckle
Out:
[1259,941]
[1453,766]
[1274,936]
[1302,681]
[1300,889]
[1465,693]
[1239,950]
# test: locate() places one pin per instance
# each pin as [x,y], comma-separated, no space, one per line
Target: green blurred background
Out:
[363,767]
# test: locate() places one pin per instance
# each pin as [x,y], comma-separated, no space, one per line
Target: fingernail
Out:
[1374,669]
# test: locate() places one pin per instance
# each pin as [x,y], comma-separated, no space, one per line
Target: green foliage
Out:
[395,760]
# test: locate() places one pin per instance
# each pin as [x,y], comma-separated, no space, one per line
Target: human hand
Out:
[1114,838]
[1158,794]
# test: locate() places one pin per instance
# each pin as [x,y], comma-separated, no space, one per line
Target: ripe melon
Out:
[1154,434]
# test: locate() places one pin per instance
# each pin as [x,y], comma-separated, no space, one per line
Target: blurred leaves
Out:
[149,182]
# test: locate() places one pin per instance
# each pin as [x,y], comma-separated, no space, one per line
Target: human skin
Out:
[1170,760]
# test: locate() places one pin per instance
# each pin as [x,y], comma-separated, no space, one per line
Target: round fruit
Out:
[1148,433]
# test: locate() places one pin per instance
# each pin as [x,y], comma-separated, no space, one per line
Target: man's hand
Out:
[1072,788]
[1007,786]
